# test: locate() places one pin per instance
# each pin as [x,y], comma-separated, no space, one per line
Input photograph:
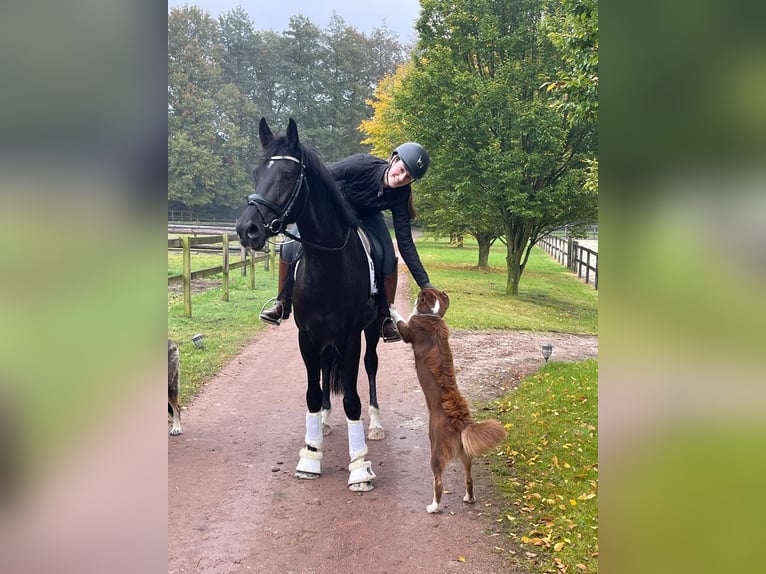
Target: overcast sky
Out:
[398,15]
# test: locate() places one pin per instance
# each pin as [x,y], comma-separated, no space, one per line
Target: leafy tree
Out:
[502,157]
[572,27]
[224,75]
[205,146]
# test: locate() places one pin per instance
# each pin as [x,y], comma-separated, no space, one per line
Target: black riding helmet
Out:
[415,158]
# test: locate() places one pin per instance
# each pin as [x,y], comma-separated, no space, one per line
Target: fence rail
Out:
[574,256]
[186,244]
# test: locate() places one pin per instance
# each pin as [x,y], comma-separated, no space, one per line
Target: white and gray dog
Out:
[174,371]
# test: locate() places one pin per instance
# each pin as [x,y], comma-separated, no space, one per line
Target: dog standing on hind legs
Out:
[451,429]
[174,371]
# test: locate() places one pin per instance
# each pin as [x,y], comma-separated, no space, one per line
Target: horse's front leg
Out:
[310,461]
[375,429]
[360,470]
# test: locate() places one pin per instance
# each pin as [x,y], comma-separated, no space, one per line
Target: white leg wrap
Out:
[310,462]
[360,470]
[314,430]
[357,446]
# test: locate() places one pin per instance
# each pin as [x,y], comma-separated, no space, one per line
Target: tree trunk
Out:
[484,245]
[518,235]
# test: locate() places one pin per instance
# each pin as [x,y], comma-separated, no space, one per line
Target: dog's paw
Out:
[469,499]
[433,508]
[175,431]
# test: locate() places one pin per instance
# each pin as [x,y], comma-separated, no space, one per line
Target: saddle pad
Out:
[367,250]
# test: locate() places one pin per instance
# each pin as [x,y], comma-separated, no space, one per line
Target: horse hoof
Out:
[306,475]
[361,487]
[375,433]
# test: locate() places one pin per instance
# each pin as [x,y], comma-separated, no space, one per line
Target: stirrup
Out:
[391,338]
[270,319]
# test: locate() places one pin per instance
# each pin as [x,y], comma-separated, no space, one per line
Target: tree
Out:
[572,27]
[502,157]
[205,146]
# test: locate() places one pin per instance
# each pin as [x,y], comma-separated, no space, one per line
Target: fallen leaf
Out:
[461,558]
[558,546]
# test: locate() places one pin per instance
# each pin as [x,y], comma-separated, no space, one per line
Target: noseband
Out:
[278,224]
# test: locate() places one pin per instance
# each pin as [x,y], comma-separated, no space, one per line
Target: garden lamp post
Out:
[547,350]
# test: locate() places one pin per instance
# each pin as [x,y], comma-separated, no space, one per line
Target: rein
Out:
[279,224]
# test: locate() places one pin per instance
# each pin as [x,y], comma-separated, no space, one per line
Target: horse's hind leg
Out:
[375,430]
[326,404]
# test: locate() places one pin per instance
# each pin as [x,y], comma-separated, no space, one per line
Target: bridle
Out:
[279,224]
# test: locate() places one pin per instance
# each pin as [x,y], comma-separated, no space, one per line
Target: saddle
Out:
[292,251]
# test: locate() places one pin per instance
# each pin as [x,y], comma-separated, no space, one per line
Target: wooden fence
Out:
[574,256]
[204,243]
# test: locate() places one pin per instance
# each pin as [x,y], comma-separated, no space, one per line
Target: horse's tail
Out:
[331,369]
[482,437]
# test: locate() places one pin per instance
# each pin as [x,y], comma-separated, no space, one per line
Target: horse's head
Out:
[279,177]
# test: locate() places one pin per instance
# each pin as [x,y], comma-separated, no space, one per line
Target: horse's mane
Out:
[318,174]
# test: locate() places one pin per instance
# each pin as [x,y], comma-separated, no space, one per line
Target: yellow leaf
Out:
[461,558]
[582,567]
[558,546]
[573,502]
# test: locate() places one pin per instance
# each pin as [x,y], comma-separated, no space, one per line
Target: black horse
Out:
[332,294]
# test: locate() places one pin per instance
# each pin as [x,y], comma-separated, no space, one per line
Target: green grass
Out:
[226,325]
[551,298]
[547,468]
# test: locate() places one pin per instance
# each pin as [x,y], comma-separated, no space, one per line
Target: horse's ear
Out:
[292,134]
[264,131]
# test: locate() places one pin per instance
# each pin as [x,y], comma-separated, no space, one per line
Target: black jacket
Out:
[360,178]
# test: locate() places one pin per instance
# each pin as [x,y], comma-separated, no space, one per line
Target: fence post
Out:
[225,294]
[187,275]
[252,270]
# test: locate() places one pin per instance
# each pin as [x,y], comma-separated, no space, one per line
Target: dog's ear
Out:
[443,301]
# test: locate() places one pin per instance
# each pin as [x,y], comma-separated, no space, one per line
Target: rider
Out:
[371,185]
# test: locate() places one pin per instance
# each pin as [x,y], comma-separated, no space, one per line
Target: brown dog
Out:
[174,370]
[452,431]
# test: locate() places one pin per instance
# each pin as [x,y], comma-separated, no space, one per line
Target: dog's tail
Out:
[482,437]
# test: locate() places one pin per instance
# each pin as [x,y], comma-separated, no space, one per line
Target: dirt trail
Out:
[234,505]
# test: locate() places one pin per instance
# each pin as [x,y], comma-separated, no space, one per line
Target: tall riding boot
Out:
[283,304]
[388,329]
